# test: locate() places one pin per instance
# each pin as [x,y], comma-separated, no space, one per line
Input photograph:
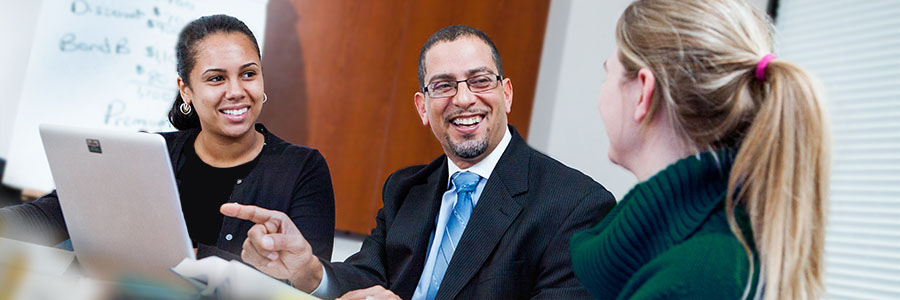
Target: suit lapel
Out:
[416,216]
[495,212]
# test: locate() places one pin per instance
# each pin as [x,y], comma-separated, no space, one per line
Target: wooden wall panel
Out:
[341,74]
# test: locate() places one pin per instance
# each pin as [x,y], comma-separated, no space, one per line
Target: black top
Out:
[288,178]
[203,190]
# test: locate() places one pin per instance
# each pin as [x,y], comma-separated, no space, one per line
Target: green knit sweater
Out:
[669,238]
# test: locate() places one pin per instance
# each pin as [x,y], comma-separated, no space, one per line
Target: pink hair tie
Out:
[761,66]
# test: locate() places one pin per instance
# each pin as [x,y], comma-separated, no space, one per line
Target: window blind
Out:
[853,47]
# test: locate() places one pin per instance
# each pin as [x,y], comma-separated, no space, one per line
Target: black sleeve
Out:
[312,208]
[556,279]
[204,251]
[367,267]
[39,222]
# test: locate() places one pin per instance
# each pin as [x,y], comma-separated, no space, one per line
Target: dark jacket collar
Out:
[499,205]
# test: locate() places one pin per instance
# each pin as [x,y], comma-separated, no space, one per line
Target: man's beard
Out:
[468,148]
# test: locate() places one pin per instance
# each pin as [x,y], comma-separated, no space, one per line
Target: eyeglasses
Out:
[448,88]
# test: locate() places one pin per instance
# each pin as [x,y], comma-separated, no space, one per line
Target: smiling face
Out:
[226,85]
[468,125]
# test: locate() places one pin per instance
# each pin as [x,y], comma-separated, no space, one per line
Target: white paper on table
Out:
[234,280]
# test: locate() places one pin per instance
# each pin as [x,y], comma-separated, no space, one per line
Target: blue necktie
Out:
[465,184]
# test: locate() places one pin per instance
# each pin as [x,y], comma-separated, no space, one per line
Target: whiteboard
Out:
[104,64]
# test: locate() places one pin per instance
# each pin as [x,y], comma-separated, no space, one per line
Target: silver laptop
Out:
[120,201]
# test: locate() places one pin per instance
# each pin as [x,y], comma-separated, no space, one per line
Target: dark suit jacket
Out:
[515,246]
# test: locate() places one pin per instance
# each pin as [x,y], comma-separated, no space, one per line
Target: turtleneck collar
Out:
[655,215]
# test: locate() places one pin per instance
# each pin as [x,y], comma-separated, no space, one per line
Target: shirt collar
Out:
[484,167]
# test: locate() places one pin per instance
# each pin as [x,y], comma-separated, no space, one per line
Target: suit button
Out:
[228,237]
[239,181]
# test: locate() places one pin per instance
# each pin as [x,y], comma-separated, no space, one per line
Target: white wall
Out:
[565,122]
[17,24]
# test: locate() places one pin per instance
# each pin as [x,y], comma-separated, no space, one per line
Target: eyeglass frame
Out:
[469,86]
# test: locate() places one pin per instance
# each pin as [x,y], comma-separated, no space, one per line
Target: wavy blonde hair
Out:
[704,55]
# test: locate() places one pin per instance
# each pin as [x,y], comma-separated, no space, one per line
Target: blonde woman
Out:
[731,147]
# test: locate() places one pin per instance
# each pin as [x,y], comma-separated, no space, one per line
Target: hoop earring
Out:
[185,108]
[265,98]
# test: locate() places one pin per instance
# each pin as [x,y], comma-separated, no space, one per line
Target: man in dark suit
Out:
[490,219]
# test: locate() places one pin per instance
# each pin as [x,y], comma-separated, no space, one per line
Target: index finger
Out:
[250,213]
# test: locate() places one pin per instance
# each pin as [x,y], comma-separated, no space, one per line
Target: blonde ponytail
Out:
[781,175]
[704,55]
